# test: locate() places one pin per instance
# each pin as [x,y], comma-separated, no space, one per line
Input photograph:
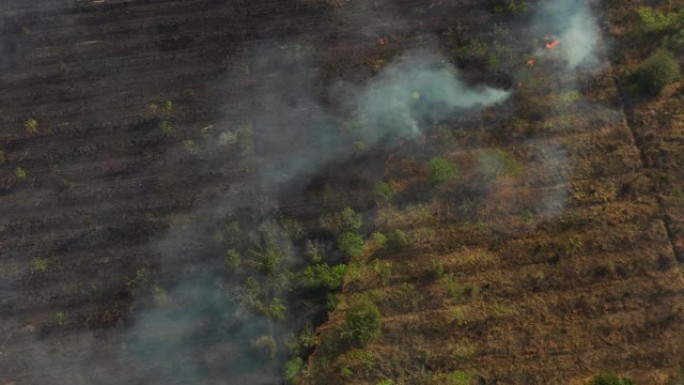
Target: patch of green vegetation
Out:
[292,227]
[452,287]
[379,240]
[499,310]
[20,173]
[292,368]
[362,322]
[474,49]
[386,190]
[527,216]
[441,170]
[266,344]
[398,240]
[233,260]
[166,128]
[346,220]
[266,259]
[159,295]
[31,126]
[383,271]
[351,244]
[362,357]
[653,20]
[276,309]
[437,270]
[60,318]
[492,62]
[323,275]
[245,138]
[503,163]
[576,243]
[516,6]
[3,156]
[168,106]
[360,147]
[610,379]
[459,316]
[657,71]
[456,377]
[39,265]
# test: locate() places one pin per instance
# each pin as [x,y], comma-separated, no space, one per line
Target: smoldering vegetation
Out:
[575,24]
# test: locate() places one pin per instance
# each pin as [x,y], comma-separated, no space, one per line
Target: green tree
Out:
[653,20]
[441,170]
[351,244]
[323,275]
[292,368]
[361,322]
[656,72]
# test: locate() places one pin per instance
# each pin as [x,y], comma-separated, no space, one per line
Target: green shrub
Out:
[516,6]
[351,244]
[441,170]
[166,127]
[20,173]
[398,240]
[277,309]
[437,270]
[60,318]
[653,20]
[451,285]
[456,377]
[346,220]
[39,265]
[31,126]
[292,368]
[266,260]
[350,220]
[379,239]
[233,260]
[386,190]
[323,275]
[361,322]
[610,379]
[656,72]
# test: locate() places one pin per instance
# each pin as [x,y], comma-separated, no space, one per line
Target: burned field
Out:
[340,192]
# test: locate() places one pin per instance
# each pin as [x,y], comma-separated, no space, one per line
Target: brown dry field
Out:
[567,266]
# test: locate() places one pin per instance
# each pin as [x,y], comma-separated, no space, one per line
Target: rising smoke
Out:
[575,24]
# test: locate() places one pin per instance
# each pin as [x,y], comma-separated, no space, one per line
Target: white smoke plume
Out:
[574,23]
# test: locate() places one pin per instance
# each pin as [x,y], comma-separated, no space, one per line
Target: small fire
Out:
[552,44]
[531,62]
[383,41]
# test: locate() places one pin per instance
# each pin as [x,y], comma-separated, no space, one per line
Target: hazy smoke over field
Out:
[199,327]
[419,85]
[574,23]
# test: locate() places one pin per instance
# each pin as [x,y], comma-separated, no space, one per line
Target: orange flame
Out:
[383,41]
[531,62]
[552,44]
